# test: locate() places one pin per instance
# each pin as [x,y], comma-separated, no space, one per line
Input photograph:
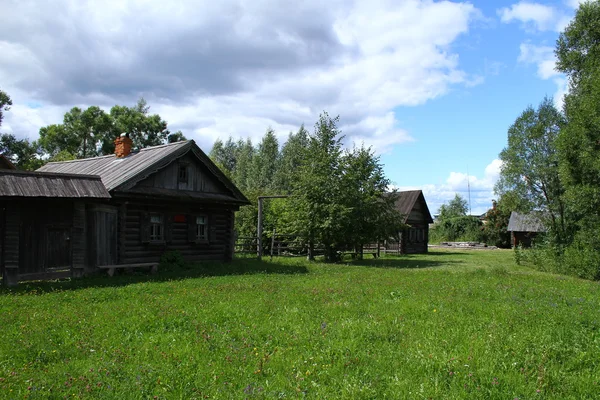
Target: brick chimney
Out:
[123,145]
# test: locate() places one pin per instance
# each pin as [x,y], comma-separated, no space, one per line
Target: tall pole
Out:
[259,229]
[469,189]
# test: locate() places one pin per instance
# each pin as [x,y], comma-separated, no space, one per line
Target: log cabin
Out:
[414,239]
[159,199]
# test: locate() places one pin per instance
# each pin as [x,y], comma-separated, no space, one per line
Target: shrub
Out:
[467,229]
[171,260]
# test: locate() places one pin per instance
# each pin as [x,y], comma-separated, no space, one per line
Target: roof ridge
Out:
[112,155]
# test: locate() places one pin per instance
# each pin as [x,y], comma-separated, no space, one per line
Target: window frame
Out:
[205,238]
[161,236]
[183,167]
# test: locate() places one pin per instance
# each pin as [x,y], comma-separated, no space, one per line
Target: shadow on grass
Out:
[245,266]
[404,262]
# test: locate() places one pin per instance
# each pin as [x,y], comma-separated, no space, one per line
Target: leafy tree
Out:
[244,154]
[495,229]
[372,213]
[176,137]
[578,56]
[264,163]
[223,154]
[530,162]
[457,207]
[292,154]
[316,204]
[5,103]
[23,154]
[145,130]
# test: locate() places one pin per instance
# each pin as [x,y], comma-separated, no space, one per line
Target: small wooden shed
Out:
[415,239]
[524,228]
[42,223]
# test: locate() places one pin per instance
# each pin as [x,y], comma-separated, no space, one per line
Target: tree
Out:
[372,213]
[290,160]
[244,154]
[578,56]
[264,163]
[5,103]
[530,163]
[457,207]
[25,155]
[318,212]
[92,132]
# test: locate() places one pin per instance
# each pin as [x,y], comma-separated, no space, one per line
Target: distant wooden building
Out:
[162,198]
[524,228]
[415,239]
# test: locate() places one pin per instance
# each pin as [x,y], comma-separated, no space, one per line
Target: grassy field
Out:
[447,325]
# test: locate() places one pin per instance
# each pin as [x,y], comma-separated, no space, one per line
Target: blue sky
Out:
[432,85]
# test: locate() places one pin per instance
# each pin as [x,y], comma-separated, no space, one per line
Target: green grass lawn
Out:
[450,324]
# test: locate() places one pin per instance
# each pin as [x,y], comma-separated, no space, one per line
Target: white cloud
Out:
[545,60]
[481,189]
[235,67]
[542,56]
[541,16]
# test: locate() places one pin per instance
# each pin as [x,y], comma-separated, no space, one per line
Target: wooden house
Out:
[162,198]
[412,205]
[42,223]
[524,228]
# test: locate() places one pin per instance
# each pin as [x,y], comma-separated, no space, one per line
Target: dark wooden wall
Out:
[132,246]
[42,238]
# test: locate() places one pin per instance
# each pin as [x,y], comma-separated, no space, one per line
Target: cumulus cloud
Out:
[542,56]
[541,16]
[545,60]
[234,67]
[481,189]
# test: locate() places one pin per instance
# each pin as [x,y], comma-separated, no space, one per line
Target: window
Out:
[201,228]
[157,231]
[183,173]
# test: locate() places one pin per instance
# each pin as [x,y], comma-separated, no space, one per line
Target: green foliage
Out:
[457,207]
[5,103]
[495,231]
[25,155]
[445,325]
[530,163]
[92,132]
[457,229]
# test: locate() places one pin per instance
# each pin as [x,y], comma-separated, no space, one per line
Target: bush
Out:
[464,229]
[172,260]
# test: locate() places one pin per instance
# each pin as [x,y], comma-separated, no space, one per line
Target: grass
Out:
[446,325]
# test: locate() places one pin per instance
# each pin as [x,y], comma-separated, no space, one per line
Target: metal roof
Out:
[123,173]
[526,222]
[115,171]
[39,184]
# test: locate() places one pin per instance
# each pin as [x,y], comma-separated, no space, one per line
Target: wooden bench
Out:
[152,267]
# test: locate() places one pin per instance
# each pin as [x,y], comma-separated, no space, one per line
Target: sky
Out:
[432,86]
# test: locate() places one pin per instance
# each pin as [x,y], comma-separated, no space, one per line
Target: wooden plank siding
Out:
[177,232]
[199,178]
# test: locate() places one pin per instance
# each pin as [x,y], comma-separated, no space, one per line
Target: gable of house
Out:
[178,170]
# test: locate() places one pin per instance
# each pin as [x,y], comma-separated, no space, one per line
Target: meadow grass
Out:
[446,325]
